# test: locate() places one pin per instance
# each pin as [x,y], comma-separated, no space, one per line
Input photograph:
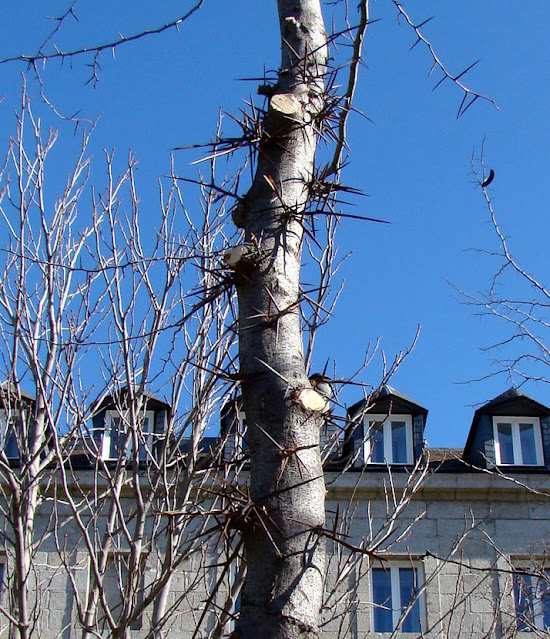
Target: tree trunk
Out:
[284,549]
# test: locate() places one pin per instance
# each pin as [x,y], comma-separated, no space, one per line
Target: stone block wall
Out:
[464,534]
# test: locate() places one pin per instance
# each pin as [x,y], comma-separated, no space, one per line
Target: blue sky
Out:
[413,159]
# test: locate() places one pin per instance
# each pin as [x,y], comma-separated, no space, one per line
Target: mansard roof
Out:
[119,396]
[8,389]
[517,402]
[388,400]
[511,403]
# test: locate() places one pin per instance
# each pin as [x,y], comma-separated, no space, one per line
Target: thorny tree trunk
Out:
[285,553]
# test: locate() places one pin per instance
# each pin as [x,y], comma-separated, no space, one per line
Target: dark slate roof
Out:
[8,388]
[206,445]
[109,400]
[386,396]
[513,395]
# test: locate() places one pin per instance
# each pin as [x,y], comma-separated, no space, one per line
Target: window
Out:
[116,434]
[241,434]
[237,439]
[233,603]
[388,439]
[518,441]
[532,597]
[8,437]
[396,602]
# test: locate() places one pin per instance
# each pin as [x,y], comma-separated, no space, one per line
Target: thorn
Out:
[464,109]
[422,24]
[440,82]
[271,182]
[466,70]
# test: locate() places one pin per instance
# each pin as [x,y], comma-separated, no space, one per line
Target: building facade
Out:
[422,542]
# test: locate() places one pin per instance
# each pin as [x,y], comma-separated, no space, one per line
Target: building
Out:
[422,542]
[468,531]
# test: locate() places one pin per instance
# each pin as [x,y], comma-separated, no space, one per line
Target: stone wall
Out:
[464,533]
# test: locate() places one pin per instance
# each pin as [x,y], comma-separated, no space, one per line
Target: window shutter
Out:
[418,436]
[545,429]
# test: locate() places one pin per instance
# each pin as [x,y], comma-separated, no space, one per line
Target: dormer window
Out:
[8,437]
[388,439]
[234,434]
[233,430]
[117,438]
[518,441]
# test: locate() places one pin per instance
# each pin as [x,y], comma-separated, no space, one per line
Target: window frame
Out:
[393,568]
[517,450]
[535,604]
[106,439]
[386,420]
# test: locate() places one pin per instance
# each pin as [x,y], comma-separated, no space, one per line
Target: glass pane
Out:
[505,443]
[117,437]
[376,438]
[243,432]
[11,445]
[408,590]
[399,442]
[381,595]
[115,431]
[8,436]
[522,595]
[528,449]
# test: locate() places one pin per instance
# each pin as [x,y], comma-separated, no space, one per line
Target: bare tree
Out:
[38,307]
[517,301]
[75,297]
[101,292]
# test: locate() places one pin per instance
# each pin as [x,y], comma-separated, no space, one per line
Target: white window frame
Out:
[386,421]
[393,568]
[108,430]
[535,603]
[516,441]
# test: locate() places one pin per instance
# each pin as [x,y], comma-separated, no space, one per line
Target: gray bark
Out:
[284,549]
